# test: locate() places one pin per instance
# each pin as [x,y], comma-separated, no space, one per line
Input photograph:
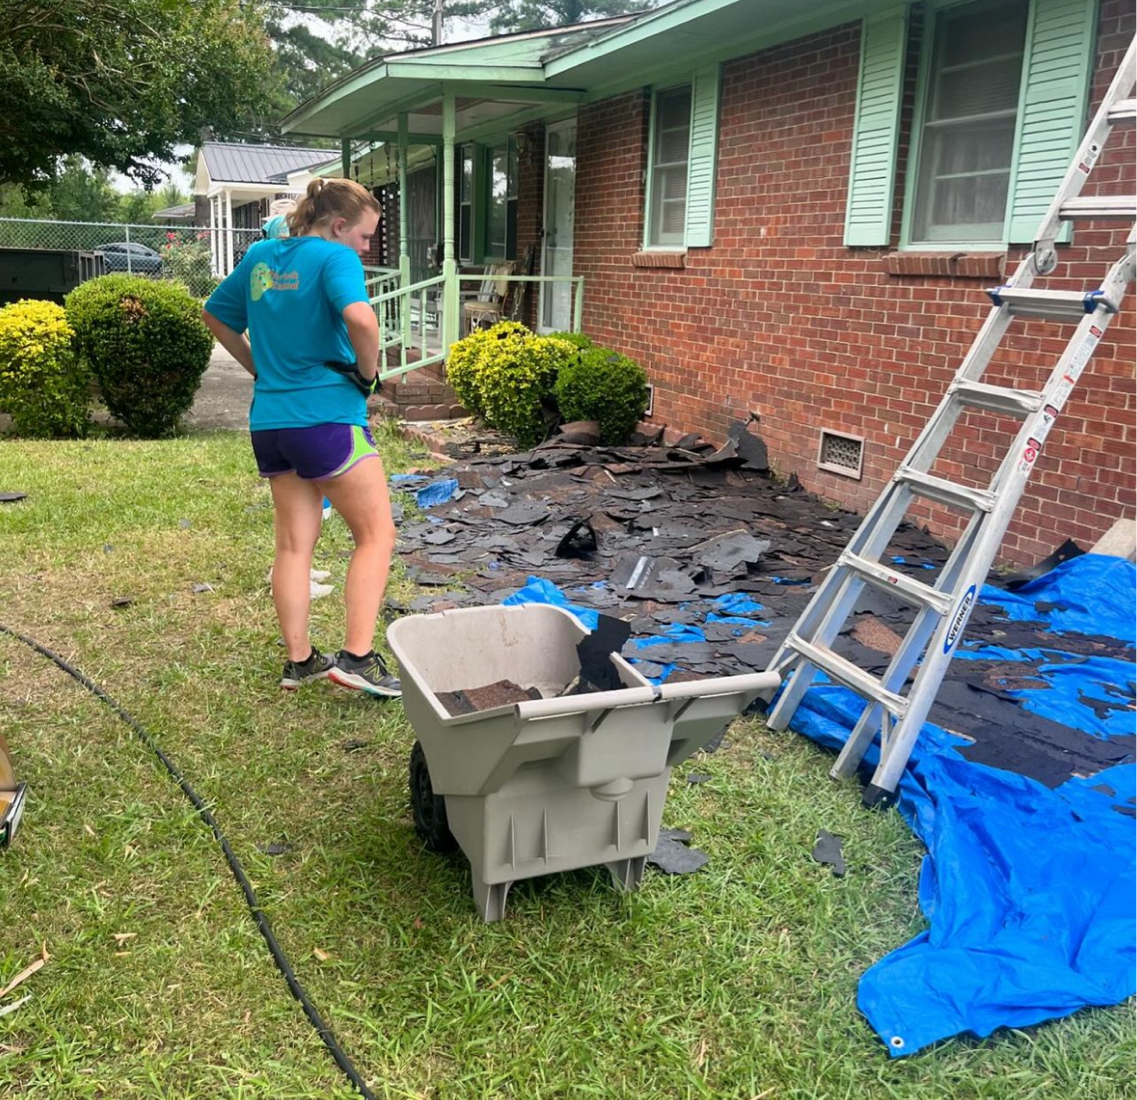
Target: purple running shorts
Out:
[315,454]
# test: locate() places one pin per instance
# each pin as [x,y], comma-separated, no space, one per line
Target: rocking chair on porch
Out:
[489,306]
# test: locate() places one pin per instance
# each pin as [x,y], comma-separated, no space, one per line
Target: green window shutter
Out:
[872,174]
[1052,110]
[701,161]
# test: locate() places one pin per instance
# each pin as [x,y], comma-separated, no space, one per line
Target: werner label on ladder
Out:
[945,607]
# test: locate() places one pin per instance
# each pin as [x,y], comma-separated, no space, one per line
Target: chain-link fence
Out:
[196,256]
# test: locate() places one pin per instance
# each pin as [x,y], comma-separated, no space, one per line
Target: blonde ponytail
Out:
[326,200]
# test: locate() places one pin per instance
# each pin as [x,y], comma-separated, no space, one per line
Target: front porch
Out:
[473,158]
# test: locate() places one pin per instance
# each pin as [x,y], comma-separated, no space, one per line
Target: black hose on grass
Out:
[282,963]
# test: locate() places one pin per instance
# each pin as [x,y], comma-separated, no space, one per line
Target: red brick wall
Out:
[778,316]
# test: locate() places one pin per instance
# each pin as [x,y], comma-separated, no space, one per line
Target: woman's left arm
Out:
[235,343]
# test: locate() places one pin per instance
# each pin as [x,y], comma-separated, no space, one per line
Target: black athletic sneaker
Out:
[364,674]
[316,667]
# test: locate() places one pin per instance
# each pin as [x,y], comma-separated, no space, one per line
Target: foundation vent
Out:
[840,454]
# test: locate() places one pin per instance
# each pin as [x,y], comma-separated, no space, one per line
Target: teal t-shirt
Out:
[290,295]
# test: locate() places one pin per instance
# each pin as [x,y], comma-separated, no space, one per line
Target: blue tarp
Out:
[1029,892]
[427,491]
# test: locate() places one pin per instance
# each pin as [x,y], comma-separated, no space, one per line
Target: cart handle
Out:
[582,704]
[722,685]
[638,696]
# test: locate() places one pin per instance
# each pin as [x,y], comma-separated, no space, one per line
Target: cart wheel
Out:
[428,808]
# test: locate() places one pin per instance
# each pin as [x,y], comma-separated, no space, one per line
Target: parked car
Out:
[135,258]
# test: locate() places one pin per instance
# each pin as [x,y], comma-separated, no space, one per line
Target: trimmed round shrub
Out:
[44,386]
[577,339]
[605,386]
[146,345]
[505,376]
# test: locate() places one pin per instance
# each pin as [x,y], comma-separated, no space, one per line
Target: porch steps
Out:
[420,394]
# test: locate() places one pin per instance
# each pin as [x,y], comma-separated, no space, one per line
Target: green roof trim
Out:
[547,69]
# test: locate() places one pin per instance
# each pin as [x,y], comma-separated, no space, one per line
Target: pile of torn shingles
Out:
[664,536]
[652,534]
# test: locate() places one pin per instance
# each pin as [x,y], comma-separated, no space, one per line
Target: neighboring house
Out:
[793,209]
[235,184]
[184,212]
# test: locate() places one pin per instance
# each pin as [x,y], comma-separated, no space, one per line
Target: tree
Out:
[83,194]
[317,41]
[121,82]
[139,206]
[534,15]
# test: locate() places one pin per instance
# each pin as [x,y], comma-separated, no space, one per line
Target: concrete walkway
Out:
[222,402]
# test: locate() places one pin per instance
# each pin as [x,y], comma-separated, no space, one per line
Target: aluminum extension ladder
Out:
[943,609]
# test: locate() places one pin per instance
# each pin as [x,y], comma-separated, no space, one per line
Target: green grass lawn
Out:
[737,983]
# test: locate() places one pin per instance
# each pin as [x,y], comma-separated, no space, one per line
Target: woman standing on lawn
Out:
[303,301]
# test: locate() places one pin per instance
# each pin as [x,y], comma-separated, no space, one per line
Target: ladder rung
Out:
[1100,206]
[1050,305]
[889,580]
[946,492]
[998,399]
[1124,110]
[848,675]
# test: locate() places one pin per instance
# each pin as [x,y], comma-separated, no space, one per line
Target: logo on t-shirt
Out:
[263,279]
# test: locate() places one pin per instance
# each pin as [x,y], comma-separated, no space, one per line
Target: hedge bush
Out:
[577,339]
[603,385]
[505,376]
[44,386]
[146,345]
[191,263]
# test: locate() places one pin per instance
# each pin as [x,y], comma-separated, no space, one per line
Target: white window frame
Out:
[928,52]
[680,243]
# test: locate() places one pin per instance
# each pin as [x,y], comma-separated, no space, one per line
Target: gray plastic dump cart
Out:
[548,784]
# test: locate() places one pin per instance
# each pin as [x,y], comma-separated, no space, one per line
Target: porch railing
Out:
[413,318]
[575,283]
[380,282]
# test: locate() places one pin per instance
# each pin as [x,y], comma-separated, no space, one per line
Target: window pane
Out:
[671,148]
[466,174]
[967,143]
[1002,33]
[673,216]
[673,183]
[675,108]
[496,202]
[464,233]
[978,90]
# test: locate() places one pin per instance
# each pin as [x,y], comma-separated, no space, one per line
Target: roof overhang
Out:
[704,32]
[251,192]
[492,79]
[501,83]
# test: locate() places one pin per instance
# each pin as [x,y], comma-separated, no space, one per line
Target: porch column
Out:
[214,236]
[345,157]
[449,266]
[228,230]
[404,221]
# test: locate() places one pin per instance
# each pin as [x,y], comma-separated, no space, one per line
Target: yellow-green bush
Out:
[505,375]
[43,384]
